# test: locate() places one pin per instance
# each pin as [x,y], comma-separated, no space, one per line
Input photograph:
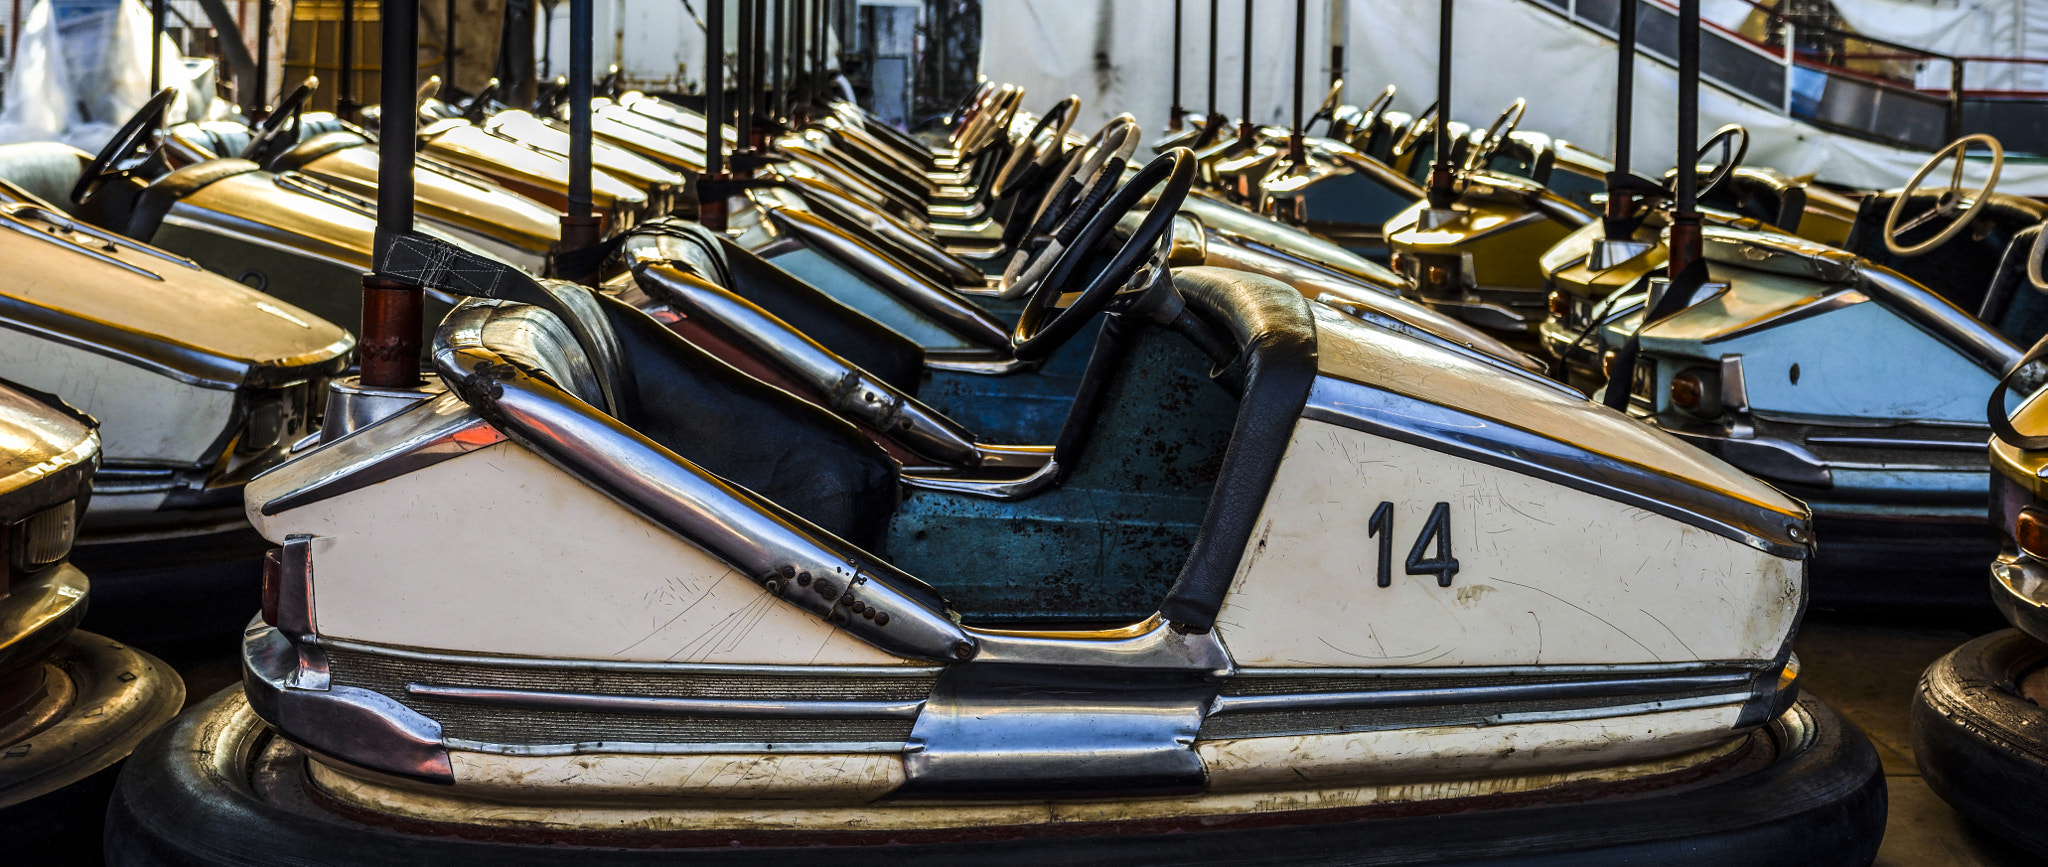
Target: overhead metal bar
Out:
[711,190]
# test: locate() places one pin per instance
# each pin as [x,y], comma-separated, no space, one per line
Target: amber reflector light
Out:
[1686,389]
[2031,531]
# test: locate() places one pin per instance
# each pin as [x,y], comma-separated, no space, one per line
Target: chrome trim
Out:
[1880,442]
[1045,476]
[846,388]
[949,310]
[1611,252]
[1673,669]
[1766,457]
[425,433]
[354,725]
[1575,714]
[1152,644]
[707,707]
[1388,323]
[175,219]
[998,367]
[1824,304]
[790,558]
[1229,704]
[1735,397]
[1417,422]
[351,405]
[653,749]
[627,666]
[1057,732]
[15,223]
[2019,587]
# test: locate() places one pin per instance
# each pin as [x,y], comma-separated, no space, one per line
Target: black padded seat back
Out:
[1961,270]
[1275,334]
[1762,196]
[313,147]
[2013,305]
[317,123]
[156,200]
[753,435]
[44,170]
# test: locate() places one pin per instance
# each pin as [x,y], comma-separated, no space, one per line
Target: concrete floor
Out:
[1868,674]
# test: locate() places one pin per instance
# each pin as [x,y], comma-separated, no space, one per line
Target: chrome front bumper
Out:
[2019,587]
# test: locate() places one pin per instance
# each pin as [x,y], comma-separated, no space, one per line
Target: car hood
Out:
[83,285]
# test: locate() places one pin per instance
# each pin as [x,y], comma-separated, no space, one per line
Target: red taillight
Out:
[273,579]
[2031,532]
[1560,305]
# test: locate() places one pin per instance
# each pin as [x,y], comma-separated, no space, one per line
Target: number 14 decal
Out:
[1438,527]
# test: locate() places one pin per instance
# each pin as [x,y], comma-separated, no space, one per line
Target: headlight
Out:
[44,539]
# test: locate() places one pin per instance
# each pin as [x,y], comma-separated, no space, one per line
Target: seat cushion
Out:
[44,170]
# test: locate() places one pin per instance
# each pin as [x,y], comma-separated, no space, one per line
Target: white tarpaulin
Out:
[79,80]
[1988,28]
[1117,55]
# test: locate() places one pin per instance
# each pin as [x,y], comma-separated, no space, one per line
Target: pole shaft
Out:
[1245,70]
[780,97]
[1440,179]
[714,87]
[156,44]
[448,43]
[582,65]
[392,309]
[345,89]
[263,25]
[1625,88]
[1175,119]
[1213,32]
[1686,243]
[744,79]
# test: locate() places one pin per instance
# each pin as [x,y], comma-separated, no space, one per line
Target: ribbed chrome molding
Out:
[717,708]
[1417,422]
[642,748]
[632,666]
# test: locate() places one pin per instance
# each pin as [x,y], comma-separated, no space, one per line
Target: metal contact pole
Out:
[1621,205]
[799,18]
[345,89]
[1173,118]
[1300,52]
[1245,126]
[757,75]
[580,224]
[1686,242]
[780,97]
[1441,181]
[1213,108]
[156,46]
[744,80]
[263,24]
[818,54]
[711,199]
[448,44]
[392,313]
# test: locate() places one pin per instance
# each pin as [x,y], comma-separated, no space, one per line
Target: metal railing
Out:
[1820,87]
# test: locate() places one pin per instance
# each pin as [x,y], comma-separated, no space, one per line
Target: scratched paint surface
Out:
[144,416]
[497,551]
[1547,574]
[1107,543]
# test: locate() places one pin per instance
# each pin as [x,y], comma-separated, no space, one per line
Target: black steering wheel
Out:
[271,131]
[137,145]
[1328,110]
[1496,135]
[1734,142]
[1029,152]
[1422,125]
[1041,329]
[479,108]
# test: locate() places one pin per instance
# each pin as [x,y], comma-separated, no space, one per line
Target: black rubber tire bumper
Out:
[187,798]
[54,783]
[1981,746]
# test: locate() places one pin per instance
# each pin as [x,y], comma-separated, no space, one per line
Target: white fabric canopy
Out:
[1117,55]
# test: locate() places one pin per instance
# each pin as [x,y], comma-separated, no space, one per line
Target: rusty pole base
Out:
[390,345]
[713,207]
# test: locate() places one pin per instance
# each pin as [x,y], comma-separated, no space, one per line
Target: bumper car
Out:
[1979,732]
[72,703]
[666,188]
[287,234]
[1178,661]
[1593,279]
[1855,382]
[1475,257]
[324,151]
[198,382]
